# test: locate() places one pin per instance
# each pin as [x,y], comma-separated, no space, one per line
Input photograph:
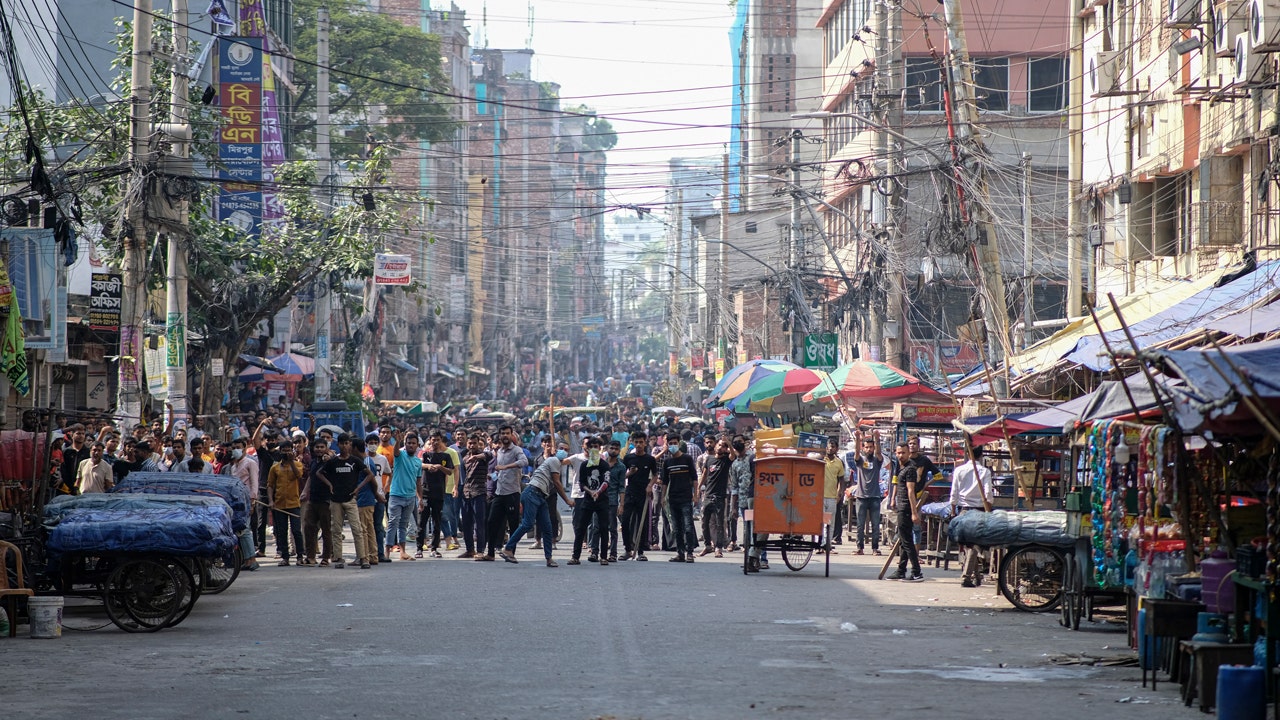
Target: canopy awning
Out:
[399,363]
[1214,381]
[477,370]
[261,362]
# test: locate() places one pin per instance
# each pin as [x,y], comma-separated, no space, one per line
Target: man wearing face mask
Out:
[245,469]
[590,493]
[678,477]
[504,501]
[543,485]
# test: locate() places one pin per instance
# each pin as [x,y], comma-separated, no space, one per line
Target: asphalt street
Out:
[453,638]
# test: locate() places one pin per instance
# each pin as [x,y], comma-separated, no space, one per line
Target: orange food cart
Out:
[787,507]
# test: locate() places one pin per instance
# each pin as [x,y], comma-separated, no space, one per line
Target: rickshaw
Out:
[787,507]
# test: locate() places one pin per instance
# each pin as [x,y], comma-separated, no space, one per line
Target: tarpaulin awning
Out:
[1107,401]
[476,369]
[1214,381]
[1247,323]
[984,429]
[1181,318]
[1135,308]
[400,363]
[449,371]
[261,362]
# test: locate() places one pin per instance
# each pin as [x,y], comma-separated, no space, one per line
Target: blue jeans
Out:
[536,512]
[449,519]
[380,528]
[869,521]
[400,509]
[682,520]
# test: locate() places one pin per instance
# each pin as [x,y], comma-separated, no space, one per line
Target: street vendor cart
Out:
[787,513]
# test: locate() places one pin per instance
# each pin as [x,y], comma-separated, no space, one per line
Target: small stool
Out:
[1203,660]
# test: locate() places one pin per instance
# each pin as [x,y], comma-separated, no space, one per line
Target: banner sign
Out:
[821,351]
[240,94]
[391,269]
[105,292]
[253,23]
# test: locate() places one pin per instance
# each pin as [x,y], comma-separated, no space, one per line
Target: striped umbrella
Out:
[740,377]
[863,380]
[759,396]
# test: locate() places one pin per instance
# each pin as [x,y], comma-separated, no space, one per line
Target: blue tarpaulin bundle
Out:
[1002,527]
[228,488]
[186,531]
[59,507]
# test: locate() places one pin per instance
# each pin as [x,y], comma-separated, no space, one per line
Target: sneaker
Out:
[508,555]
[552,563]
[575,561]
[915,577]
[436,554]
[593,558]
[641,558]
[339,565]
[466,555]
[678,558]
[977,582]
[623,557]
[967,583]
[365,566]
[896,575]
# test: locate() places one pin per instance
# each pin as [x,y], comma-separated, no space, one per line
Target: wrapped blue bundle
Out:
[185,531]
[937,509]
[228,488]
[59,507]
[1002,527]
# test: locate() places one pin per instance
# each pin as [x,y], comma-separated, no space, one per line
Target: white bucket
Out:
[46,616]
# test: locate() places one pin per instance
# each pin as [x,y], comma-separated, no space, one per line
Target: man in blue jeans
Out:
[866,463]
[405,497]
[678,477]
[543,485]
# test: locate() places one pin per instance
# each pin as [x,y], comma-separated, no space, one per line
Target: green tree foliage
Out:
[404,102]
[600,134]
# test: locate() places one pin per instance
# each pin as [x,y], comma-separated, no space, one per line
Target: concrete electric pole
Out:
[176,275]
[323,303]
[134,292]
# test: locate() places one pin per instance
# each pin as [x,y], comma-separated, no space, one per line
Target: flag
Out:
[13,355]
[218,13]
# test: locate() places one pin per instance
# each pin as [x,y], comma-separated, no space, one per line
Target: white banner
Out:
[391,269]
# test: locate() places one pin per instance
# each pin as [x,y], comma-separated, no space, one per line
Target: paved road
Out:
[457,639]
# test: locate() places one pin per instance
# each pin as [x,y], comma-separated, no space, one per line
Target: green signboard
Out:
[820,351]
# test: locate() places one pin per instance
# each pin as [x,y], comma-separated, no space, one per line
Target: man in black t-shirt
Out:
[593,506]
[715,491]
[642,471]
[908,507]
[343,474]
[437,466]
[678,478]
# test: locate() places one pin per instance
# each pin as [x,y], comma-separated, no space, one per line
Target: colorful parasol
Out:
[759,395]
[863,380]
[742,376]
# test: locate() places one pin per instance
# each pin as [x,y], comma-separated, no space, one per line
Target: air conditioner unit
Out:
[1229,19]
[1248,64]
[1264,25]
[1182,13]
[1104,73]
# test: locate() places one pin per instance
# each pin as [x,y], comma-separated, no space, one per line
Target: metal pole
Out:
[722,283]
[323,302]
[176,275]
[1075,166]
[796,248]
[1028,287]
[133,299]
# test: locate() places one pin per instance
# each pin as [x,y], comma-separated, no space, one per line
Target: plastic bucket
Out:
[1242,693]
[46,616]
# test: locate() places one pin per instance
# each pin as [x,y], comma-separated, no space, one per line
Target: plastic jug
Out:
[1219,592]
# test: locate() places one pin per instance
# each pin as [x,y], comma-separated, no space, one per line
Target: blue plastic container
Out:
[1148,647]
[1242,693]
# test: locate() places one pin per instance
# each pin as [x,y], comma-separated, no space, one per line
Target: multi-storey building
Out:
[899,209]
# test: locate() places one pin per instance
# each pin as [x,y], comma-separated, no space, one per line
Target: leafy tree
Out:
[408,100]
[600,134]
[236,282]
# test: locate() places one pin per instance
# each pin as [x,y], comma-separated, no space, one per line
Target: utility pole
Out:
[678,318]
[133,298]
[995,312]
[1075,166]
[176,275]
[895,329]
[1028,287]
[796,249]
[323,302]
[549,268]
[720,301]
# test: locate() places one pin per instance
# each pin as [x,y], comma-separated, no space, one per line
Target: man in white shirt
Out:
[971,491]
[94,473]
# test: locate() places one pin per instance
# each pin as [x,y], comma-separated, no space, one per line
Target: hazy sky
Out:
[654,67]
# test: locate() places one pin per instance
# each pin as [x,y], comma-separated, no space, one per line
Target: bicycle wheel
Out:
[143,595]
[1031,578]
[796,553]
[217,574]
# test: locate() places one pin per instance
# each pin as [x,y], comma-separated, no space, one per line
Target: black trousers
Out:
[585,512]
[635,524]
[504,517]
[432,506]
[907,542]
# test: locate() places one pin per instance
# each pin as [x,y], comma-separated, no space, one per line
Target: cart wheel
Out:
[143,595]
[1078,596]
[796,553]
[1031,578]
[217,574]
[1066,605]
[187,571]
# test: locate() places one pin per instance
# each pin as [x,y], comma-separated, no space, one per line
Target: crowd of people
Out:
[408,492]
